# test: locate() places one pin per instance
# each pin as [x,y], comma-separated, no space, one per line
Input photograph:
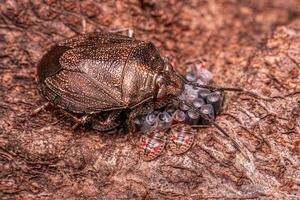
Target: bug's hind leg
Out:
[39,109]
[129,30]
[109,123]
[81,121]
[106,126]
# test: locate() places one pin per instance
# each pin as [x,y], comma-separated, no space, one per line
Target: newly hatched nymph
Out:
[99,78]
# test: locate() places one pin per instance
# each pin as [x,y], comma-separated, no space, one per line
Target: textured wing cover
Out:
[100,72]
[90,78]
[79,93]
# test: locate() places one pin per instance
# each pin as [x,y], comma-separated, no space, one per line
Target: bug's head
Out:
[169,82]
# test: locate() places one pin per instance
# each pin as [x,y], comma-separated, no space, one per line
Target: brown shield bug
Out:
[105,74]
[97,78]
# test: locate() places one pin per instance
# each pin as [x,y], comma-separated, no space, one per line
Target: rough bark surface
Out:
[249,44]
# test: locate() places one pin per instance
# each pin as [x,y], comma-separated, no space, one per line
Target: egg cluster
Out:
[208,102]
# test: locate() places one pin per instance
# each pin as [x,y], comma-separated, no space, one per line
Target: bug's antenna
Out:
[214,88]
[235,144]
[231,89]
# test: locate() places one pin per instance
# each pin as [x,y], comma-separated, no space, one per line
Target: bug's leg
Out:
[39,109]
[109,123]
[140,110]
[78,121]
[201,126]
[106,126]
[81,121]
[130,31]
[162,103]
[214,124]
[198,60]
[83,23]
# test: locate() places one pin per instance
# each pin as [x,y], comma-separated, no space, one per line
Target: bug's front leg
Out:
[142,109]
[110,123]
[39,109]
[78,121]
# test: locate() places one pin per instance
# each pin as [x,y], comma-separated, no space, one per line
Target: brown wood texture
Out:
[250,44]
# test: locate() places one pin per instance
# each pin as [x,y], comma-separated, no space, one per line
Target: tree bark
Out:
[249,44]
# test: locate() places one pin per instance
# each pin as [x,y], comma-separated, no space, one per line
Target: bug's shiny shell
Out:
[181,139]
[99,72]
[152,145]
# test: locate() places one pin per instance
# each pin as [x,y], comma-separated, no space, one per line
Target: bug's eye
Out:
[161,86]
[160,81]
